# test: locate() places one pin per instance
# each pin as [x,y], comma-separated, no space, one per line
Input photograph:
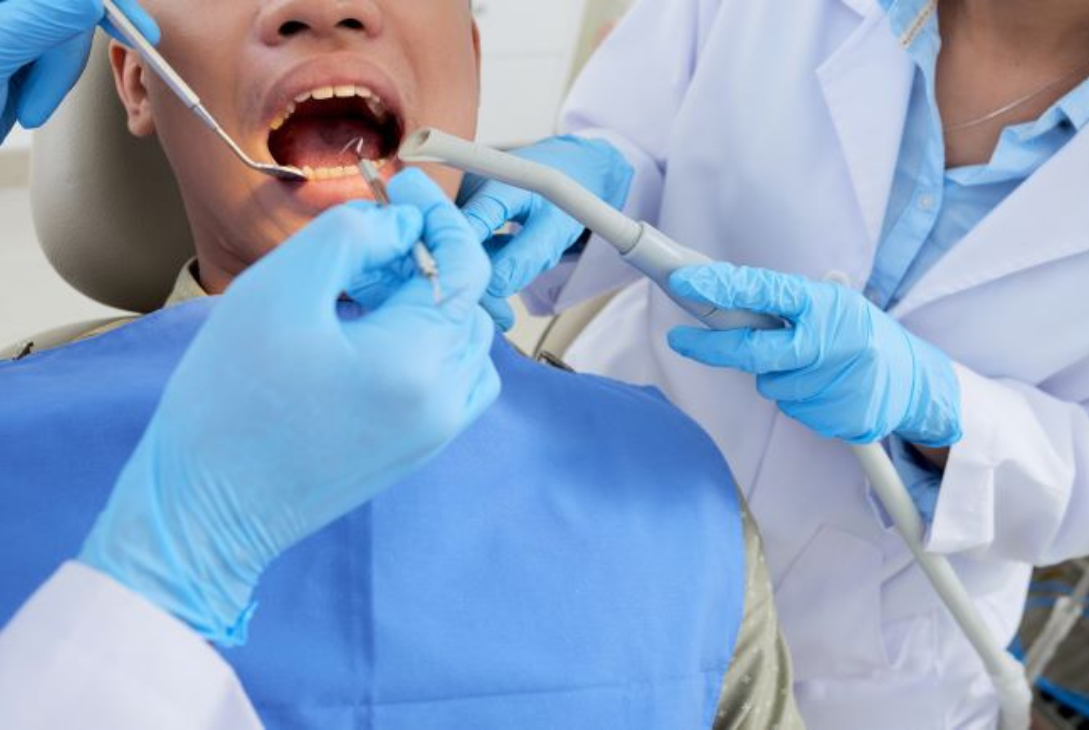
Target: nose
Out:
[285,20]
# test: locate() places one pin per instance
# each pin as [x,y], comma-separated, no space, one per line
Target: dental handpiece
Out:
[425,262]
[176,84]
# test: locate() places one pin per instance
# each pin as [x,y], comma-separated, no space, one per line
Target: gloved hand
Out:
[43,49]
[547,232]
[845,369]
[288,410]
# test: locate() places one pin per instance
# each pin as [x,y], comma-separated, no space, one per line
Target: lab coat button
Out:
[926,201]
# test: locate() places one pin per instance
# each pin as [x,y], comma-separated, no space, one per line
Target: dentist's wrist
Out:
[151,545]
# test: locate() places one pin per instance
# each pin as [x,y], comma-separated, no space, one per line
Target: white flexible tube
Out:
[640,244]
[431,145]
[1007,674]
[656,255]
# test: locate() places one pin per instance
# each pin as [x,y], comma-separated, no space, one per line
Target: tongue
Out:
[320,142]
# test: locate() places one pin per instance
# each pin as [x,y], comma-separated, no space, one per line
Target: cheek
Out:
[202,165]
[179,134]
[224,201]
[449,86]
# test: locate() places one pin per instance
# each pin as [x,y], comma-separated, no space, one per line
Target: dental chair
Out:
[122,239]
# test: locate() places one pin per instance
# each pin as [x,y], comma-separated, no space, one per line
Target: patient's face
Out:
[293,81]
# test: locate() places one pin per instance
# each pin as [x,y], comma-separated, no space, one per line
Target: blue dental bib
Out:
[573,560]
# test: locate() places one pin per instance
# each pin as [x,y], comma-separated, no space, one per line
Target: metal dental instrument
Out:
[170,77]
[657,256]
[425,262]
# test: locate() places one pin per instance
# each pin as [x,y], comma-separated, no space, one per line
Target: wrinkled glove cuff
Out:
[145,546]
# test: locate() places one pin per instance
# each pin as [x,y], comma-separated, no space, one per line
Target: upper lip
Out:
[341,69]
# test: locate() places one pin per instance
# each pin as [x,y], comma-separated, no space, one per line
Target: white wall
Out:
[528,48]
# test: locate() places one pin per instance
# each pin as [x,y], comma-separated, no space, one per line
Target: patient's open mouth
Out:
[315,132]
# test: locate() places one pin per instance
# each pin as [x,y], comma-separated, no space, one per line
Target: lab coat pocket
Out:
[830,607]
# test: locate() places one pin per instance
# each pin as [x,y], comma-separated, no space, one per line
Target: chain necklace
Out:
[1016,102]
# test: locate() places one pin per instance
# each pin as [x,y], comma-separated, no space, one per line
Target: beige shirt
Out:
[186,287]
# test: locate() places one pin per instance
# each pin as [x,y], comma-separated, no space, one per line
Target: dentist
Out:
[907,181]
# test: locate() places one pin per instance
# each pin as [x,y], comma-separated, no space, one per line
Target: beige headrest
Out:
[105,204]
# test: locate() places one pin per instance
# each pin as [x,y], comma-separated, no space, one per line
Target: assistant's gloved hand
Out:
[846,369]
[289,410]
[43,49]
[547,232]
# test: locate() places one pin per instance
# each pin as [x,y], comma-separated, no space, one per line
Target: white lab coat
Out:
[766,133]
[85,652]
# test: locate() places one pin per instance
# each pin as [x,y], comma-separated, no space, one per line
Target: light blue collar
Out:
[915,25]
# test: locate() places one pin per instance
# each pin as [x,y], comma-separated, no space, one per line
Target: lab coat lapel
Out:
[1044,220]
[866,85]
[862,7]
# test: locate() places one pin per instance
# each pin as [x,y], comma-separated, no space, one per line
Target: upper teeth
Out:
[374,103]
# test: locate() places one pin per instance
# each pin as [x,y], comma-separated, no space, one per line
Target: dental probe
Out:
[425,262]
[170,77]
[656,255]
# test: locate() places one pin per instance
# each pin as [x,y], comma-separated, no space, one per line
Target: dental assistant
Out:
[908,183]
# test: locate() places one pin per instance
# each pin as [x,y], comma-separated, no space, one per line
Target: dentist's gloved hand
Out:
[43,49]
[546,231]
[291,409]
[846,369]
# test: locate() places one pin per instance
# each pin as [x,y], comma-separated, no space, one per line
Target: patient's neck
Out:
[215,273]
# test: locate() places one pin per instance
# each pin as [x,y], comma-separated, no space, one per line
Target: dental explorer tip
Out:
[354,144]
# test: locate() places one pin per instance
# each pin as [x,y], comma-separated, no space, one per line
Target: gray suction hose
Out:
[640,244]
[657,256]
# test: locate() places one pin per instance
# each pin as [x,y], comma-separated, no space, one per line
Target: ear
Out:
[128,78]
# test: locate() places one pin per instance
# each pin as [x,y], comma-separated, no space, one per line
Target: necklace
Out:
[1016,102]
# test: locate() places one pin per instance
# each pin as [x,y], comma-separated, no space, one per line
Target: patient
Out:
[549,569]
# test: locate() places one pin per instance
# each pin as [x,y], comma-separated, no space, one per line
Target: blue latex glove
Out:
[845,369]
[288,411]
[43,49]
[546,231]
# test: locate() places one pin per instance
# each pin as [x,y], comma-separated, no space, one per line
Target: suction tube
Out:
[641,245]
[656,255]
[431,145]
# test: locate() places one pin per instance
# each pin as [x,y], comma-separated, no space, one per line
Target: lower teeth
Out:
[329,173]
